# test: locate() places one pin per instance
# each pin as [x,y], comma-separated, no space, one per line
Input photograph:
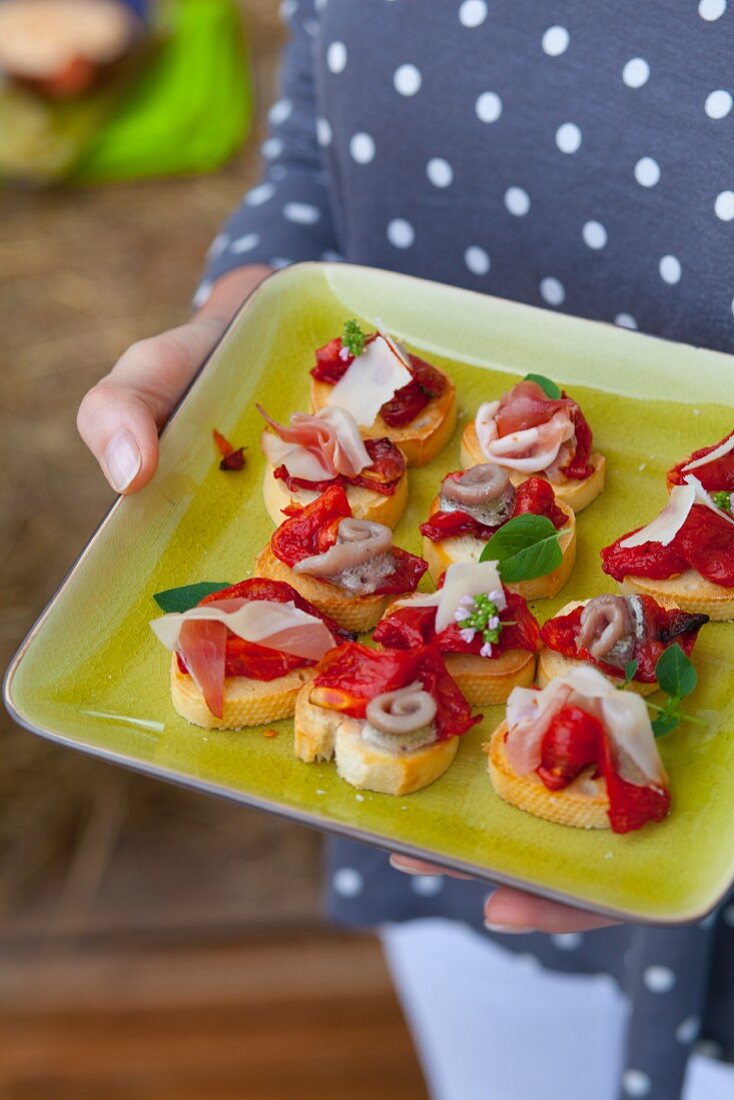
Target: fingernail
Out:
[508,929]
[122,459]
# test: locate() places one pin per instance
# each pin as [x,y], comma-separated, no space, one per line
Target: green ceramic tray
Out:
[91,674]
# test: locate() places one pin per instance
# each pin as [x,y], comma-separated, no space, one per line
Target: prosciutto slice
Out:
[525,430]
[316,447]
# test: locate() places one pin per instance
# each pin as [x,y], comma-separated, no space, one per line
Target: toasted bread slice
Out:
[365,503]
[584,804]
[689,591]
[322,734]
[440,555]
[423,438]
[578,494]
[486,683]
[359,613]
[246,702]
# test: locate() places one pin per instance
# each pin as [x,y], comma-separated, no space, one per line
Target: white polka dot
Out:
[272,148]
[711,9]
[347,882]
[568,137]
[688,1030]
[477,260]
[407,79]
[202,294]
[594,234]
[400,233]
[280,261]
[517,201]
[724,206]
[439,172]
[323,131]
[336,57]
[658,979]
[728,913]
[625,320]
[218,245]
[280,111]
[260,194]
[302,213]
[555,41]
[647,172]
[567,941]
[636,1083]
[362,148]
[426,886]
[718,104]
[245,244]
[636,72]
[320,4]
[551,290]
[670,269]
[287,9]
[472,13]
[488,107]
[312,27]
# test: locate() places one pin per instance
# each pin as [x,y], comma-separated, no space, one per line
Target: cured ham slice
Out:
[316,447]
[525,430]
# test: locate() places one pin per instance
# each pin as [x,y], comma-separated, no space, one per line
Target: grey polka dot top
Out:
[576,156]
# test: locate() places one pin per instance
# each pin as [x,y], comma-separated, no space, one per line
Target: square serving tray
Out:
[91,674]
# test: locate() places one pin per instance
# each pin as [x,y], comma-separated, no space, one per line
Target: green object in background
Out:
[189,110]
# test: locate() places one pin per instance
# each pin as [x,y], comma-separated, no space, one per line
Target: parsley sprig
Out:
[353,338]
[722,500]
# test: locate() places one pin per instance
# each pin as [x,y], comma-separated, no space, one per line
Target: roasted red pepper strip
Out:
[575,740]
[232,458]
[663,628]
[383,476]
[716,476]
[414,626]
[579,468]
[407,403]
[535,495]
[348,677]
[705,543]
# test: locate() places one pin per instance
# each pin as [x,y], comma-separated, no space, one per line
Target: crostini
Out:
[615,633]
[580,753]
[388,391]
[325,449]
[714,468]
[240,657]
[486,634]
[473,504]
[684,558]
[531,434]
[347,567]
[390,719]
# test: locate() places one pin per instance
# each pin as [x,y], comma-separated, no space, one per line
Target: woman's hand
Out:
[508,910]
[119,418]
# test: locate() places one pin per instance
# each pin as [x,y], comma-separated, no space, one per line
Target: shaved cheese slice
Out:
[703,497]
[280,626]
[666,526]
[371,380]
[463,579]
[723,449]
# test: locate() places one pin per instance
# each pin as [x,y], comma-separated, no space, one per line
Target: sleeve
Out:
[286,217]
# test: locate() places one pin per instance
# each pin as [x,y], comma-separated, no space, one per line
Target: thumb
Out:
[120,417]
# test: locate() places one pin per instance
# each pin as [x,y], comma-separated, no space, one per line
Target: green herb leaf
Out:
[549,388]
[722,500]
[525,547]
[629,674]
[665,723]
[353,338]
[188,596]
[675,673]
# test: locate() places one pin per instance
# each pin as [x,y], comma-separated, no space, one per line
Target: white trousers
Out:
[492,1025]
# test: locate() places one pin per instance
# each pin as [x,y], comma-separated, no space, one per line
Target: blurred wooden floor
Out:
[311,1017]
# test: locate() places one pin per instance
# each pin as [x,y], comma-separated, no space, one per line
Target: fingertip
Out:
[120,431]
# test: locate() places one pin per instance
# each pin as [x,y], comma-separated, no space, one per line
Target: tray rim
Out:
[305,817]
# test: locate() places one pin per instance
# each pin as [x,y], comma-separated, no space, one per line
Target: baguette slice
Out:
[423,438]
[578,494]
[486,683]
[583,804]
[322,734]
[689,591]
[365,503]
[552,664]
[247,702]
[357,613]
[440,555]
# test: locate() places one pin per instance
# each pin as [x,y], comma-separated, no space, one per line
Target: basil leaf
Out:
[665,723]
[675,673]
[188,596]
[525,547]
[549,388]
[629,673]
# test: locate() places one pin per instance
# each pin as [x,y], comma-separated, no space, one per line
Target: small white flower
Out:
[494,622]
[467,635]
[486,650]
[495,596]
[467,602]
[344,353]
